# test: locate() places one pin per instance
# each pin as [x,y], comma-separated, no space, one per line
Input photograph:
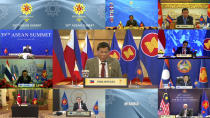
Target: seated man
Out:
[27,49]
[186,111]
[131,21]
[185,81]
[184,19]
[184,49]
[103,65]
[79,105]
[24,78]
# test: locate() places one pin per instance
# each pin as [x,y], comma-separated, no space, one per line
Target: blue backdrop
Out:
[131,103]
[142,10]
[175,38]
[14,40]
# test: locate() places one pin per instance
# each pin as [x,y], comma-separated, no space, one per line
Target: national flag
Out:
[115,51]
[72,56]
[5,51]
[204,105]
[166,77]
[19,100]
[129,57]
[95,108]
[202,20]
[148,52]
[141,24]
[87,52]
[161,41]
[34,101]
[164,104]
[92,81]
[206,44]
[59,70]
[203,79]
[208,13]
[13,71]
[160,16]
[64,102]
[169,19]
[44,72]
[37,76]
[7,72]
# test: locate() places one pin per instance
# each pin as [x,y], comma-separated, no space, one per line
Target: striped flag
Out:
[7,73]
[164,104]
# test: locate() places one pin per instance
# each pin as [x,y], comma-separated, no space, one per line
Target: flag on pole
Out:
[64,103]
[7,72]
[95,108]
[166,77]
[160,16]
[72,56]
[129,57]
[204,105]
[59,69]
[164,104]
[34,101]
[115,51]
[87,52]
[203,79]
[44,72]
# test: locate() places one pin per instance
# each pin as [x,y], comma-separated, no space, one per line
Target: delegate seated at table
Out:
[79,105]
[27,49]
[24,78]
[183,49]
[184,19]
[103,65]
[186,111]
[131,21]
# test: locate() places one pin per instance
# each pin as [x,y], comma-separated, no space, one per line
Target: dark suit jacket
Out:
[21,80]
[180,21]
[114,69]
[27,50]
[134,23]
[83,105]
[179,51]
[189,112]
[181,83]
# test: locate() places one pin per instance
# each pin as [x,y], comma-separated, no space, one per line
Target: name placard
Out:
[78,114]
[106,82]
[184,26]
[26,85]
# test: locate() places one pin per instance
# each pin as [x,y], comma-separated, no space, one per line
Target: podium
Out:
[25,111]
[78,114]
[105,83]
[184,26]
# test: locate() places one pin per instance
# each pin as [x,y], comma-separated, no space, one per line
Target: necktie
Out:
[103,69]
[184,51]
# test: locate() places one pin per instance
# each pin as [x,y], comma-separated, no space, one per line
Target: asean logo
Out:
[115,54]
[64,101]
[205,104]
[26,8]
[149,44]
[184,66]
[207,44]
[79,8]
[128,53]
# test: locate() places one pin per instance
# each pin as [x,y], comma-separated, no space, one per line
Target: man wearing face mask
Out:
[185,19]
[25,78]
[103,65]
[184,49]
